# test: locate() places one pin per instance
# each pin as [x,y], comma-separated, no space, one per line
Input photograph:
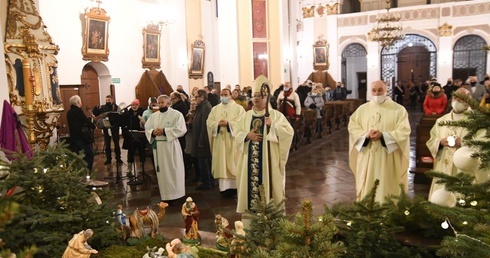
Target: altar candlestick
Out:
[26,68]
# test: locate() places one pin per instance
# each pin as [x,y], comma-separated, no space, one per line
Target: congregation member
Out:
[448,89]
[80,141]
[132,122]
[185,96]
[340,92]
[162,131]
[111,133]
[414,95]
[399,92]
[263,143]
[213,98]
[221,125]
[477,89]
[435,101]
[485,101]
[288,103]
[200,140]
[315,102]
[189,161]
[239,98]
[303,91]
[152,108]
[178,104]
[379,145]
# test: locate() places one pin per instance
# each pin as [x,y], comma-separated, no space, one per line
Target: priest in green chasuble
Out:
[379,145]
[163,130]
[262,140]
[221,132]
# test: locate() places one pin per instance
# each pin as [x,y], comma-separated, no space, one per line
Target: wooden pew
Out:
[309,124]
[423,157]
[329,108]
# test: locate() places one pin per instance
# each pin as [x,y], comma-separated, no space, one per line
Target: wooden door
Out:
[413,63]
[89,92]
[362,85]
[66,91]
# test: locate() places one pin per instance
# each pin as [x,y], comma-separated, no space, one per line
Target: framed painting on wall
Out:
[196,69]
[260,59]
[320,55]
[151,47]
[95,41]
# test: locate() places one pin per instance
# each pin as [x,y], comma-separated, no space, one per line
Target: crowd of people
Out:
[240,139]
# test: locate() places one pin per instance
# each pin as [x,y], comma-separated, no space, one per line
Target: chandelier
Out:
[387,29]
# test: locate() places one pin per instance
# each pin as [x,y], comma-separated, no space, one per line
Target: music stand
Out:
[138,137]
[115,120]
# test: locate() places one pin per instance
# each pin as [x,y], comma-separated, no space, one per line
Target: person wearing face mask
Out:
[379,145]
[200,140]
[445,140]
[163,130]
[288,103]
[110,133]
[435,101]
[220,124]
[477,90]
[315,102]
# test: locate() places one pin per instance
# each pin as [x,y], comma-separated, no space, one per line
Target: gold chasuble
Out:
[386,159]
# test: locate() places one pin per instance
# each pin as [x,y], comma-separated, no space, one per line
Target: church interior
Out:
[138,49]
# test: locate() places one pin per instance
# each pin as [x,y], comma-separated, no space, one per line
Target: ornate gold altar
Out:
[31,72]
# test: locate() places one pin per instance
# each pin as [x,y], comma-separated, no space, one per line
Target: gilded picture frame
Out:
[96,36]
[320,55]
[151,47]
[196,66]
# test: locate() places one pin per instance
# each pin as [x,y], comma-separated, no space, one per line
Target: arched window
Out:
[469,58]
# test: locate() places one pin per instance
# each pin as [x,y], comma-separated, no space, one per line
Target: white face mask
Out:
[458,107]
[286,88]
[379,99]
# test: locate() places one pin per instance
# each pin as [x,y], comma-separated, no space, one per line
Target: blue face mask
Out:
[225,100]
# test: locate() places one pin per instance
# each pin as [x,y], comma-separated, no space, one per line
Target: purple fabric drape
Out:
[10,131]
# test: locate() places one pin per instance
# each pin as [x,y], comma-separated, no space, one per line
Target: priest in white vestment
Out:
[446,140]
[259,146]
[163,129]
[379,145]
[221,123]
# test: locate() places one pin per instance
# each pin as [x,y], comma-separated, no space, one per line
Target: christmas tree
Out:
[367,231]
[308,237]
[465,215]
[55,203]
[263,234]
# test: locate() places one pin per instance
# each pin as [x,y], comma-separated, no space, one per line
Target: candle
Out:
[26,69]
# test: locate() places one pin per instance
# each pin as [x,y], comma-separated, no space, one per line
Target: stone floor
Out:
[318,172]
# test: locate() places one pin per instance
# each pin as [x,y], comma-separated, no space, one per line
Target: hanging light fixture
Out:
[387,30]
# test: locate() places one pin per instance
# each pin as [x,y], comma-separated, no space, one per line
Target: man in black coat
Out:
[110,106]
[303,91]
[80,141]
[132,141]
[178,104]
[200,140]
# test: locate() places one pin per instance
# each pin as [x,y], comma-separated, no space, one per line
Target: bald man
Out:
[379,145]
[445,140]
